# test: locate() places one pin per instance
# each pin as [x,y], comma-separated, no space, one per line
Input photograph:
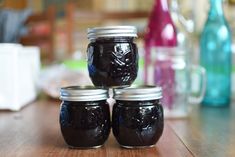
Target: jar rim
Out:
[111,31]
[138,93]
[83,93]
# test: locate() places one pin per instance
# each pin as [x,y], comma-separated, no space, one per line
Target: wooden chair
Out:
[41,33]
[95,18]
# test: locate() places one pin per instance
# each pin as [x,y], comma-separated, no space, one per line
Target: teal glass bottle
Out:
[216,56]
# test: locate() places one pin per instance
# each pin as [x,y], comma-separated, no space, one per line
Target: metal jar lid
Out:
[86,93]
[111,31]
[138,93]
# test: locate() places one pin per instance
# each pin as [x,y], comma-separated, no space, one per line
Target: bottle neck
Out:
[216,8]
[162,5]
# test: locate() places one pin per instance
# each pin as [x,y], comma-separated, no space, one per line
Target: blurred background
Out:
[62,24]
[59,27]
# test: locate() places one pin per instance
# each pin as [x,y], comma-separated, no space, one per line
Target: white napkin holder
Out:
[19,71]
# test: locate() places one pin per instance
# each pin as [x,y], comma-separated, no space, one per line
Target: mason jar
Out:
[137,117]
[182,82]
[112,56]
[84,116]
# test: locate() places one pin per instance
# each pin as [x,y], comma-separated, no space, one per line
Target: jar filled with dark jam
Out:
[112,56]
[84,116]
[137,118]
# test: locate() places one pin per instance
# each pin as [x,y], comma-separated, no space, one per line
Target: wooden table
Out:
[34,131]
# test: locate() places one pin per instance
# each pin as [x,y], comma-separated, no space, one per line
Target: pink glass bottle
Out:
[160,32]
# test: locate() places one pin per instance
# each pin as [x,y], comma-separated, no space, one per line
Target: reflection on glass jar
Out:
[112,56]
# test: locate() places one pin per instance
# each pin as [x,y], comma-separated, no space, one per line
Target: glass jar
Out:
[183,83]
[84,116]
[112,56]
[137,118]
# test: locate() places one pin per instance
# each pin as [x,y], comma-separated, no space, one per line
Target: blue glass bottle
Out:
[216,56]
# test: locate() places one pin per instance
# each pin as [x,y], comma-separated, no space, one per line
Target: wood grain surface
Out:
[34,131]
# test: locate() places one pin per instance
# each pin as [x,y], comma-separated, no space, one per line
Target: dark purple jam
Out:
[137,123]
[85,124]
[113,61]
